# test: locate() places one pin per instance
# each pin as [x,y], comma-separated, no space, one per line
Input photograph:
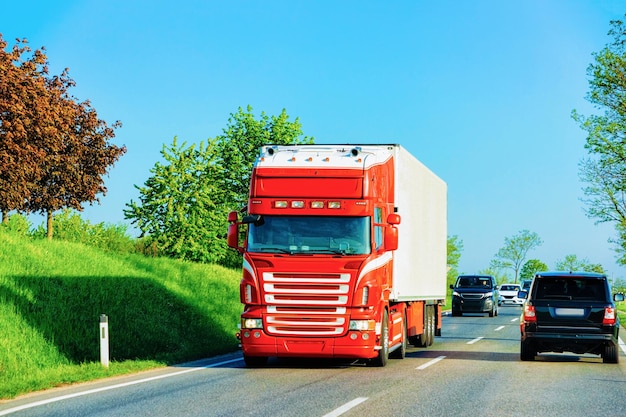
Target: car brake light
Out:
[609,316]
[529,313]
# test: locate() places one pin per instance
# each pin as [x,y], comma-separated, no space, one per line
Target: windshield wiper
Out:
[280,250]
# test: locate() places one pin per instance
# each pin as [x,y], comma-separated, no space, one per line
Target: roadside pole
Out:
[104,340]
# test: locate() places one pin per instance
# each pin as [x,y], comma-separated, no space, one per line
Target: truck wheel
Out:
[431,325]
[400,353]
[428,337]
[610,354]
[254,361]
[383,353]
[527,352]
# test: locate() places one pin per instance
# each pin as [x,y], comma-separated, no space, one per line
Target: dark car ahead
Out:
[570,312]
[475,294]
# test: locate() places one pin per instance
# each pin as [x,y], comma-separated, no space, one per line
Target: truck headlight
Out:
[251,323]
[362,325]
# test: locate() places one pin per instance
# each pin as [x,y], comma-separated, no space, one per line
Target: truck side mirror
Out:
[233,231]
[391,238]
[393,218]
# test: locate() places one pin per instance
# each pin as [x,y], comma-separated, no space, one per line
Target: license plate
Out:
[569,312]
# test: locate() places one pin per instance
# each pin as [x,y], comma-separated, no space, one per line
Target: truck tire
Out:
[428,336]
[383,353]
[431,325]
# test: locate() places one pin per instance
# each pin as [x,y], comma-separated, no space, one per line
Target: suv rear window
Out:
[549,288]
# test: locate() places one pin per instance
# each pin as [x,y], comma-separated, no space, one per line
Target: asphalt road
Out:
[473,369]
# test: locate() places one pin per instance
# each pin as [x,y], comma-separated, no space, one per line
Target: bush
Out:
[70,227]
[18,224]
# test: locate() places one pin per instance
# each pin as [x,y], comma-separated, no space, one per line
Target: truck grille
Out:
[306,304]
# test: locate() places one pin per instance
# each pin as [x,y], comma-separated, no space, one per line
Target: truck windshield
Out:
[310,234]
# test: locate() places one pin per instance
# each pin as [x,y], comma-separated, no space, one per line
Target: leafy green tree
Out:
[531,267]
[500,276]
[455,247]
[237,149]
[178,208]
[572,263]
[604,171]
[184,205]
[513,254]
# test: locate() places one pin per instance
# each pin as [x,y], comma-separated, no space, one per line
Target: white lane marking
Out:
[499,328]
[622,345]
[515,319]
[432,362]
[347,406]
[110,387]
[471,342]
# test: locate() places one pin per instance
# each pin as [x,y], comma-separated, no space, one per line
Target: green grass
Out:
[160,312]
[621,313]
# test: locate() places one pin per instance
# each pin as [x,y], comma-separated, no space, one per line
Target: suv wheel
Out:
[527,352]
[610,354]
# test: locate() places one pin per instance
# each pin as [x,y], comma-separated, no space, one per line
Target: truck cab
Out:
[324,272]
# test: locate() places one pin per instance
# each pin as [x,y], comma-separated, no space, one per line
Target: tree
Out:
[531,267]
[22,83]
[454,248]
[177,209]
[500,277]
[604,171]
[56,150]
[237,149]
[184,205]
[513,254]
[572,263]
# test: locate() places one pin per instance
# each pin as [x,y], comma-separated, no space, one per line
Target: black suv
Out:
[475,294]
[569,312]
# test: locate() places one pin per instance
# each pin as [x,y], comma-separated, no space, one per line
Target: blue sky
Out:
[480,91]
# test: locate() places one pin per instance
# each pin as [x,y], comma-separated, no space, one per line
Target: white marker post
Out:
[104,340]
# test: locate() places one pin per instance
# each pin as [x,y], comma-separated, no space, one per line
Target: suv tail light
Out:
[529,313]
[609,316]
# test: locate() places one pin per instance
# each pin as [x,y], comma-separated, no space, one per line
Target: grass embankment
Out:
[160,312]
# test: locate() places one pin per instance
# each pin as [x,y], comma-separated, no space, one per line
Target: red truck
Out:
[344,253]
